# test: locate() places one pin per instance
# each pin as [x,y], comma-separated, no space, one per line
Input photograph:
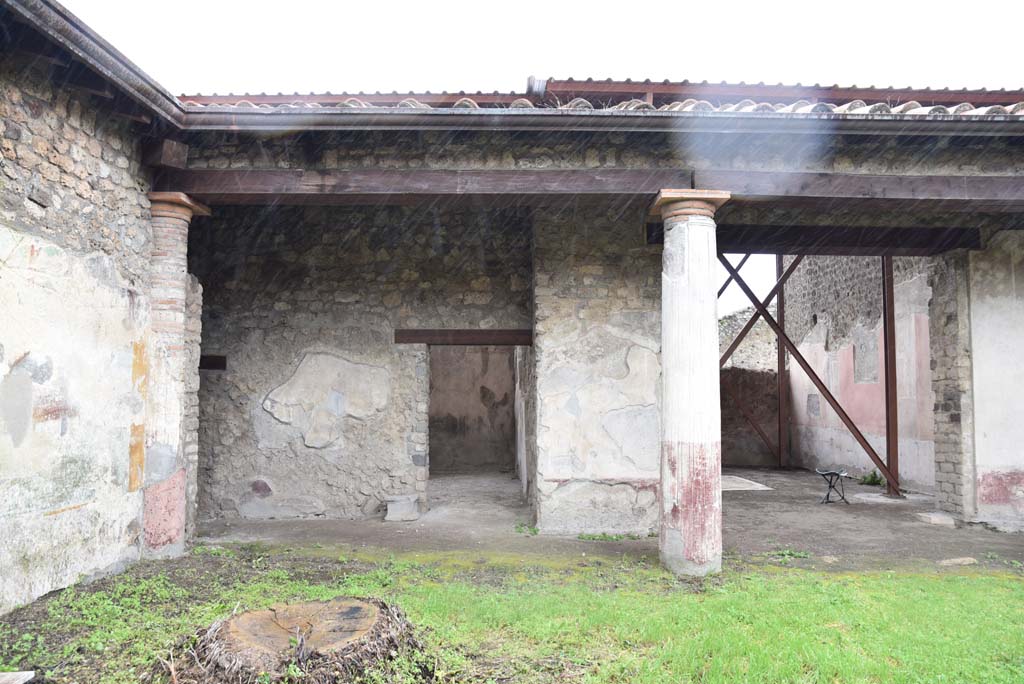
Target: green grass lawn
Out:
[587,620]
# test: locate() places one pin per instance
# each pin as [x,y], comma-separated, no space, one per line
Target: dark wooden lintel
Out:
[748,186]
[213,362]
[465,337]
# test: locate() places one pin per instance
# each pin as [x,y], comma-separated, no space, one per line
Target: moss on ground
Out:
[488,617]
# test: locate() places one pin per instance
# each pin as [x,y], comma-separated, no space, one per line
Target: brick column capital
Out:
[673,204]
[175,205]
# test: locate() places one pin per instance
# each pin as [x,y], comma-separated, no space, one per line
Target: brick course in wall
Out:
[949,323]
[71,174]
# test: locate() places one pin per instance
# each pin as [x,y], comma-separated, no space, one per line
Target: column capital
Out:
[175,205]
[681,203]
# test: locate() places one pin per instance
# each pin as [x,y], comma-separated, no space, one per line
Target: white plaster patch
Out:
[636,430]
[323,391]
[734,483]
[878,498]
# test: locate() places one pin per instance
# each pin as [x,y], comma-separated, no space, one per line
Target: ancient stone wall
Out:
[750,376]
[597,292]
[834,315]
[976,324]
[472,412]
[319,412]
[74,279]
[952,382]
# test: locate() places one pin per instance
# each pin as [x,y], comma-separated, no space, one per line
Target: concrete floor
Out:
[479,512]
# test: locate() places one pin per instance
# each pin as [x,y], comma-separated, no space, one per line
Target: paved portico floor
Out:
[486,512]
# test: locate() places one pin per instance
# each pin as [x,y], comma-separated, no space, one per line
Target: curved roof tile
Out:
[801,108]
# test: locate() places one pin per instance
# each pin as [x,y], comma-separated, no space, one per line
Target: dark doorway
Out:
[472,410]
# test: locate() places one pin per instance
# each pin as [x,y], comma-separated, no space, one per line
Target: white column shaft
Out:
[690,539]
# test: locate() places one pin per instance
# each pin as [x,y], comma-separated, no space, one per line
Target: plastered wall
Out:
[997,337]
[74,251]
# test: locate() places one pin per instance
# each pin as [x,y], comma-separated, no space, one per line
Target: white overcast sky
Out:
[207,46]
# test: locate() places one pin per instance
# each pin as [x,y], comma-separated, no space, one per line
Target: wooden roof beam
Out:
[283,186]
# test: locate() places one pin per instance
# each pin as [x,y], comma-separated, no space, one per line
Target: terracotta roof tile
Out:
[801,108]
[795,100]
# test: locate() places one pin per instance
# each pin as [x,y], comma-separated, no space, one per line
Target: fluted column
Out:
[165,477]
[690,537]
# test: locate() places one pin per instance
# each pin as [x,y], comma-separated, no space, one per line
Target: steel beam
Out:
[892,444]
[753,319]
[815,380]
[728,280]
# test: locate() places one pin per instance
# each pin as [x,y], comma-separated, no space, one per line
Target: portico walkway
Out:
[756,523]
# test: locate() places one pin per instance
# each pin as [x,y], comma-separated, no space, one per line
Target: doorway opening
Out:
[473,426]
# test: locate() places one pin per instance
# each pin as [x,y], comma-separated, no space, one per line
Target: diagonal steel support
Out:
[815,380]
[729,279]
[749,417]
[757,314]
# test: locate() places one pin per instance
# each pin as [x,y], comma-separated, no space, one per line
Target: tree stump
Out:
[327,641]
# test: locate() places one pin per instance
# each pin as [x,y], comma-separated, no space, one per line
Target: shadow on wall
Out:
[758,390]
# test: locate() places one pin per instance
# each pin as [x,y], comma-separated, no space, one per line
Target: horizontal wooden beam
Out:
[845,189]
[837,240]
[282,186]
[465,337]
[846,241]
[355,186]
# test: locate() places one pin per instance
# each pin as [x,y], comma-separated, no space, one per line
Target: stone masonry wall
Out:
[750,375]
[319,412]
[597,292]
[952,369]
[74,279]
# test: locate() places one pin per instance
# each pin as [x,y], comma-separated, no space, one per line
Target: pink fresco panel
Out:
[164,511]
